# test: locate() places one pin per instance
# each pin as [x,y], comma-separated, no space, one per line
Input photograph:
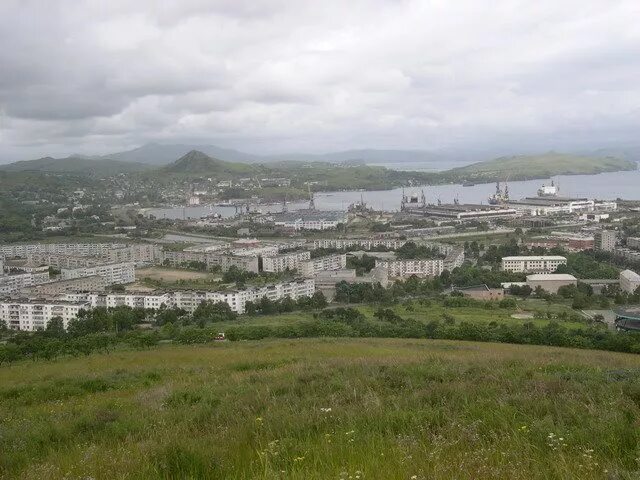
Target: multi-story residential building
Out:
[308,268]
[92,283]
[361,243]
[284,261]
[629,281]
[407,268]
[15,282]
[212,259]
[606,240]
[113,273]
[454,258]
[190,299]
[633,242]
[140,254]
[31,315]
[533,264]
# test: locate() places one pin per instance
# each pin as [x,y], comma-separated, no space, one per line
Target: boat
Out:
[548,190]
[468,184]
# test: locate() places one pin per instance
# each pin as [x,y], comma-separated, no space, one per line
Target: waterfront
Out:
[604,186]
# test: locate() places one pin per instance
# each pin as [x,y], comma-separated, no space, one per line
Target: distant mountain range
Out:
[76,165]
[157,154]
[210,158]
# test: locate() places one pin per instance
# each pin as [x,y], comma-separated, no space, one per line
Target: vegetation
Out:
[334,408]
[523,167]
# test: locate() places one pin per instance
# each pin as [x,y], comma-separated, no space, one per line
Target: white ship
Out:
[548,190]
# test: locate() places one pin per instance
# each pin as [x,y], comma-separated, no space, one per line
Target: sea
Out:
[604,186]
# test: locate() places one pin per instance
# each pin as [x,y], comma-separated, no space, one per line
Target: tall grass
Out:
[324,409]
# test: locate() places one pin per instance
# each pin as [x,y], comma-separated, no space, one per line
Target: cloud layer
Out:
[272,76]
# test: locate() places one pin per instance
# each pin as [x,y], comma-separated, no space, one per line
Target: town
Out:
[307,253]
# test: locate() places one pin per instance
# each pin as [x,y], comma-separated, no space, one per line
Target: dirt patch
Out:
[170,274]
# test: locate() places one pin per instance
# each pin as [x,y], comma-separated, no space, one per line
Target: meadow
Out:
[324,409]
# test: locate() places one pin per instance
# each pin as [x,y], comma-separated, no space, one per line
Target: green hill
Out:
[367,409]
[196,162]
[75,165]
[522,167]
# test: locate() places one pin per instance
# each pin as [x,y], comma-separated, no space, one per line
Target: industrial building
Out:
[629,281]
[533,264]
[550,282]
[309,220]
[552,205]
[462,211]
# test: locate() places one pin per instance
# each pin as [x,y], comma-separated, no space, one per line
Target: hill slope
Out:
[76,165]
[523,167]
[391,409]
[195,162]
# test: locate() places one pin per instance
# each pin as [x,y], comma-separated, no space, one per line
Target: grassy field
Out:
[324,409]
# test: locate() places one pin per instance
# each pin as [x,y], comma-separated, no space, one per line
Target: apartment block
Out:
[31,315]
[190,299]
[310,267]
[606,240]
[533,264]
[284,261]
[211,259]
[361,243]
[408,268]
[15,282]
[113,273]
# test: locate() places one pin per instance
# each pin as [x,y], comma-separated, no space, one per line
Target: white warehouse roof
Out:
[535,258]
[551,276]
[630,275]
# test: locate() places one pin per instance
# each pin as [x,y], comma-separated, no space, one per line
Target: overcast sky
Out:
[312,76]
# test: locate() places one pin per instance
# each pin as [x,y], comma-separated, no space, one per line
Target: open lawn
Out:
[324,409]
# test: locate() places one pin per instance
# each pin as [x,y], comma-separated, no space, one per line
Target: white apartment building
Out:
[363,243]
[109,252]
[31,315]
[190,299]
[407,268]
[606,240]
[113,273]
[15,282]
[212,259]
[454,258]
[284,261]
[533,264]
[629,281]
[308,268]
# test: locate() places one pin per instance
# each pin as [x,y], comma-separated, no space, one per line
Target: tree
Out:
[55,327]
[213,312]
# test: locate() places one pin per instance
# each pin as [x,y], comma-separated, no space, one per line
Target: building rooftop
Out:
[551,276]
[535,257]
[630,275]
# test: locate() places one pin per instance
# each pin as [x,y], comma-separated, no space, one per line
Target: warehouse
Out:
[551,282]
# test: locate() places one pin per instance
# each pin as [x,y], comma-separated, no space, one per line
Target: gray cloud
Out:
[269,76]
